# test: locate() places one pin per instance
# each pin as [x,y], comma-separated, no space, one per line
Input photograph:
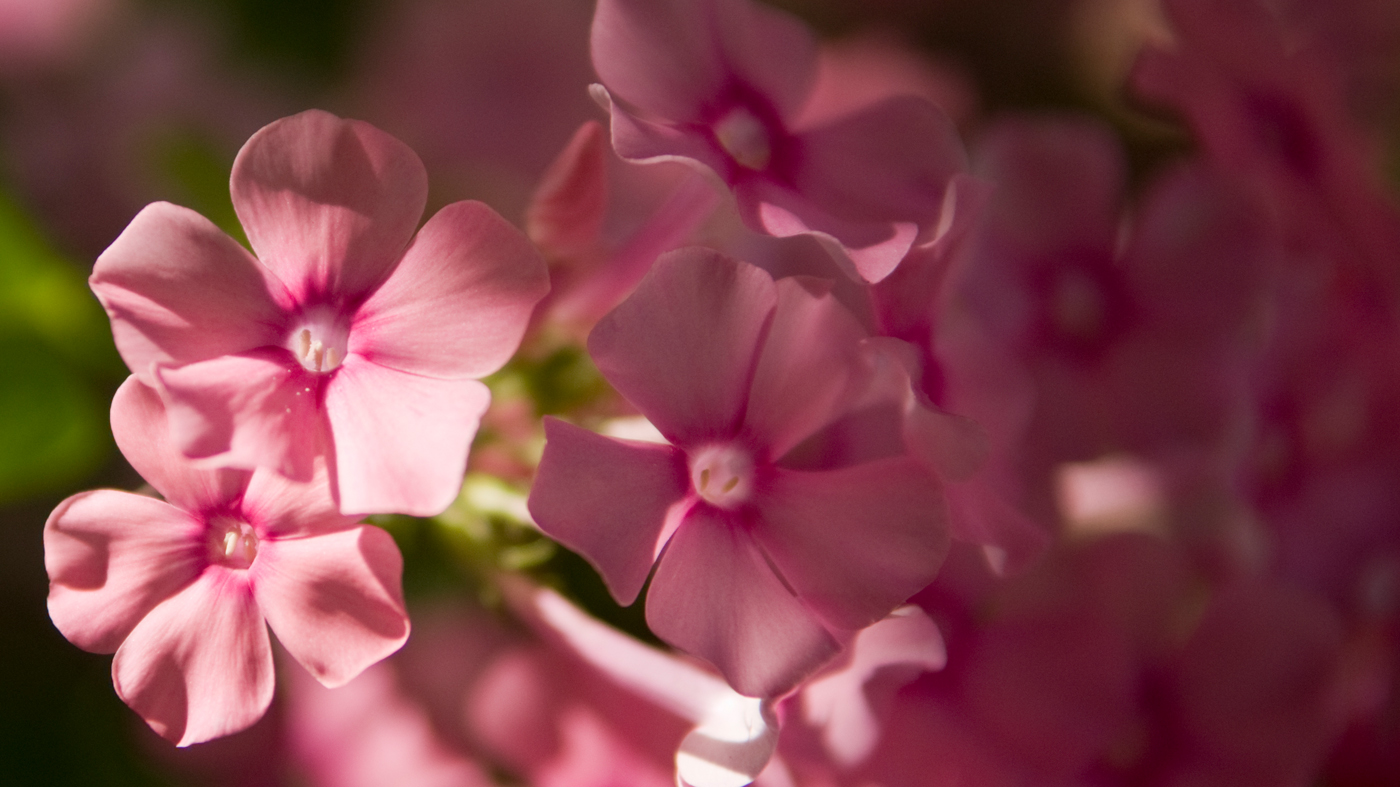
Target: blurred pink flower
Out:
[759,564]
[347,338]
[720,84]
[183,591]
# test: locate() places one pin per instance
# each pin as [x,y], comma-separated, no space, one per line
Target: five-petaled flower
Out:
[184,590]
[722,84]
[767,558]
[347,338]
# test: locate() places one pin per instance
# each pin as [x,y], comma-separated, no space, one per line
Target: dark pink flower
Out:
[721,83]
[184,590]
[759,564]
[347,338]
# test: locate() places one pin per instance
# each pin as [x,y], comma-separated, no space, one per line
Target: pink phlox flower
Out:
[765,551]
[720,84]
[347,338]
[184,590]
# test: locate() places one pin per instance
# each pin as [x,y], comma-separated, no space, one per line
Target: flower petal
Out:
[179,290]
[328,204]
[715,595]
[401,440]
[334,600]
[857,542]
[682,347]
[142,432]
[658,56]
[284,508]
[254,409]
[806,369]
[112,556]
[199,665]
[608,500]
[458,303]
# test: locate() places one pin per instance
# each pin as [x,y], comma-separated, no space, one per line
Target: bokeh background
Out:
[107,105]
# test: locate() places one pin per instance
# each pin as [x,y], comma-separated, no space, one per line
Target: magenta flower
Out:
[720,83]
[347,338]
[183,591]
[761,567]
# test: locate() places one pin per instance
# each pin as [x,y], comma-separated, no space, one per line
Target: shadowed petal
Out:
[400,440]
[659,56]
[334,600]
[255,409]
[806,368]
[608,500]
[682,347]
[328,204]
[714,595]
[199,665]
[141,430]
[284,508]
[458,303]
[179,290]
[857,542]
[112,556]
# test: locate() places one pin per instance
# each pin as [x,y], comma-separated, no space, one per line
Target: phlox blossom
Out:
[183,590]
[722,84]
[347,338]
[767,556]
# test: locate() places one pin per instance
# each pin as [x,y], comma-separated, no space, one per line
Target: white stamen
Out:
[319,345]
[722,475]
[233,542]
[744,137]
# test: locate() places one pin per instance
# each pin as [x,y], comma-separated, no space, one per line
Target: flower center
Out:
[722,475]
[319,344]
[745,138]
[232,542]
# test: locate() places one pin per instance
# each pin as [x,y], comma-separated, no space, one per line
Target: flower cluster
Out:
[1013,463]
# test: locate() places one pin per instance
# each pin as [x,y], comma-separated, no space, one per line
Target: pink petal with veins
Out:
[716,596]
[681,349]
[253,409]
[333,600]
[113,556]
[200,664]
[609,500]
[458,303]
[401,440]
[328,204]
[179,290]
[854,543]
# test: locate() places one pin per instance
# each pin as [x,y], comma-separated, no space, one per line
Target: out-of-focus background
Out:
[107,105]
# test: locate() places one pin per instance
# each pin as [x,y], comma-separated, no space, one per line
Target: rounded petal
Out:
[142,432]
[199,665]
[254,409]
[682,347]
[566,212]
[658,56]
[112,556]
[857,542]
[334,600]
[179,290]
[673,59]
[807,368]
[458,303]
[328,204]
[644,142]
[715,596]
[608,500]
[401,440]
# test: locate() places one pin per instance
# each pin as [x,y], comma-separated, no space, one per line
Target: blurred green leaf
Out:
[53,428]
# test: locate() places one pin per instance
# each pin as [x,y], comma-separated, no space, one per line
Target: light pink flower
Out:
[720,84]
[760,565]
[184,590]
[347,338]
